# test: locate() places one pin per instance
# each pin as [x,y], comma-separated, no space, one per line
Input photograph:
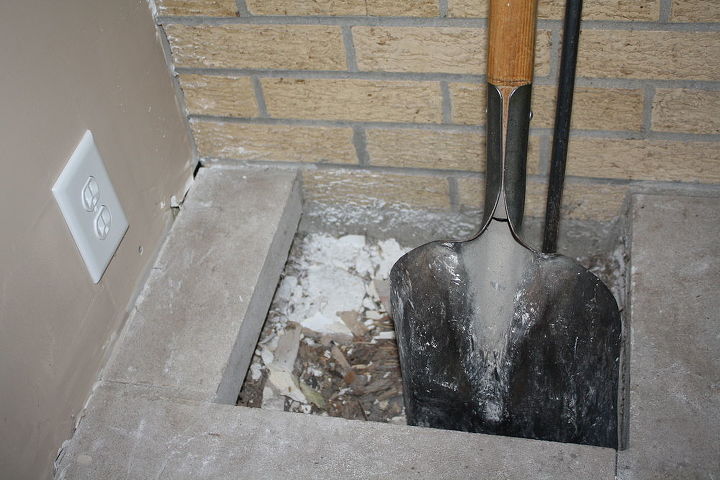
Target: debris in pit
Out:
[328,344]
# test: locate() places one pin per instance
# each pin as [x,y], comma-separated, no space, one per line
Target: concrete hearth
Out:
[163,407]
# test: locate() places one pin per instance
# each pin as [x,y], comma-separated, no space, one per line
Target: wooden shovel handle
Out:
[511,49]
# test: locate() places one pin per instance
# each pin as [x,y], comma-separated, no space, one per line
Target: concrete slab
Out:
[196,323]
[675,340]
[135,432]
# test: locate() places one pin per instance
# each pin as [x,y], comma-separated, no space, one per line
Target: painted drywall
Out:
[66,67]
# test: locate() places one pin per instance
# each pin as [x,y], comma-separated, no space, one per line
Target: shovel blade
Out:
[496,338]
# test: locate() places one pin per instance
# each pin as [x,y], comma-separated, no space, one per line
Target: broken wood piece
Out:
[352,320]
[340,358]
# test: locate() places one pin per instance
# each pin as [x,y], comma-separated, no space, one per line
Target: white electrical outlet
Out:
[91,207]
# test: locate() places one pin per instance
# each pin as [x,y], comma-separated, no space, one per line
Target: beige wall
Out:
[389,96]
[66,67]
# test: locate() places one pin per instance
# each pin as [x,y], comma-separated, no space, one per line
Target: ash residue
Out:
[328,345]
[611,269]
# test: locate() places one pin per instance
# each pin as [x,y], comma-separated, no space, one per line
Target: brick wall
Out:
[383,100]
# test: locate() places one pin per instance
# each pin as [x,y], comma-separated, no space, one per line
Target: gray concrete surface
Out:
[136,432]
[675,340]
[156,412]
[195,325]
[413,228]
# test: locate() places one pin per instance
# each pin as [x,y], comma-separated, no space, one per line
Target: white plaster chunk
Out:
[390,252]
[390,335]
[327,325]
[286,288]
[267,356]
[270,401]
[339,252]
[255,371]
[327,292]
[284,383]
[364,265]
[398,420]
[369,303]
[287,348]
[332,280]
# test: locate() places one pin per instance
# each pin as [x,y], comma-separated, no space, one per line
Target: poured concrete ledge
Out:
[137,432]
[196,323]
[675,347]
[157,412]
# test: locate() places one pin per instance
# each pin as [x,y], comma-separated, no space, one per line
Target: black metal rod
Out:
[563,112]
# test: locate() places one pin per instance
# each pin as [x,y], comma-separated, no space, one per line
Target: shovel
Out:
[494,336]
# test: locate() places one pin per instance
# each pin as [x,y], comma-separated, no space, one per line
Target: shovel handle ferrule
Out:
[508,126]
[511,56]
[511,46]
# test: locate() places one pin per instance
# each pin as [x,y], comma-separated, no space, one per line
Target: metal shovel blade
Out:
[497,338]
[493,336]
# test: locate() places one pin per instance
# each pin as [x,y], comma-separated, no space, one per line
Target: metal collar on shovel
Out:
[495,337]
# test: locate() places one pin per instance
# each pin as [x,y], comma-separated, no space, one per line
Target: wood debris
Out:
[353,376]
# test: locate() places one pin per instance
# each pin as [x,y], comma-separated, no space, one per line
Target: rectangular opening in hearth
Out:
[328,344]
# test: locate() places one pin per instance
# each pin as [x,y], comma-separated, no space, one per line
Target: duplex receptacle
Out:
[91,207]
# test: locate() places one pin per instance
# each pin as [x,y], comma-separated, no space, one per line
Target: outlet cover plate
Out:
[91,207]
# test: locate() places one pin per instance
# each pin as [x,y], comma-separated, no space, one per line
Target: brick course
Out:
[274,143]
[220,96]
[365,188]
[596,201]
[686,111]
[415,8]
[695,11]
[426,49]
[624,10]
[304,47]
[593,108]
[208,8]
[361,100]
[662,160]
[445,150]
[659,55]
[389,97]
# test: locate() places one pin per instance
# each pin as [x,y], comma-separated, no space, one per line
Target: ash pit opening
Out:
[328,343]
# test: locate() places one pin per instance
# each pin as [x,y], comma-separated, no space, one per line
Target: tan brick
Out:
[621,10]
[205,8]
[649,54]
[375,8]
[471,192]
[695,11]
[686,111]
[222,96]
[303,47]
[644,160]
[358,100]
[581,201]
[469,101]
[446,150]
[593,108]
[367,188]
[433,49]
[276,143]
